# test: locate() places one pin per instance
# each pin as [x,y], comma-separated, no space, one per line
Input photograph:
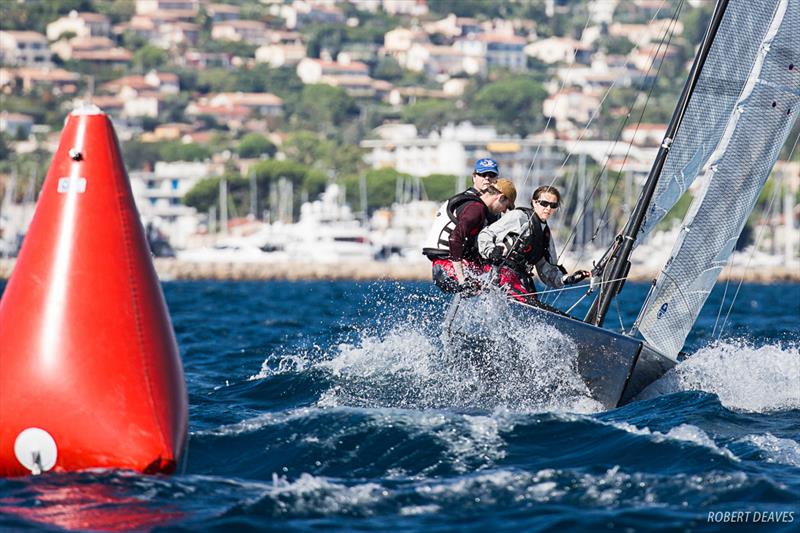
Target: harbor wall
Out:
[173,269]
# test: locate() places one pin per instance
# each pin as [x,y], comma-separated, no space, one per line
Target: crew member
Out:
[485,173]
[451,244]
[521,241]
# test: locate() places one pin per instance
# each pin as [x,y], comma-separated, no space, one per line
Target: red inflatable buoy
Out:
[90,374]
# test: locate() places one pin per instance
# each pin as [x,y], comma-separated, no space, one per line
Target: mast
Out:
[619,262]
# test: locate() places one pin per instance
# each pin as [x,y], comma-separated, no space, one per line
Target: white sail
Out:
[721,82]
[734,171]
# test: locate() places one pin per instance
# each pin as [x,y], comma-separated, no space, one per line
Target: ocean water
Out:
[328,405]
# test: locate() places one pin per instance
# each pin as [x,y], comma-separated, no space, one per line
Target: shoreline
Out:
[177,270]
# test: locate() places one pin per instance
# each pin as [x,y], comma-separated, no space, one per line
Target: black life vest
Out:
[437,245]
[530,248]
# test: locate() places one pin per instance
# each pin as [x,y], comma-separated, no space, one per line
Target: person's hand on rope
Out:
[496,255]
[576,277]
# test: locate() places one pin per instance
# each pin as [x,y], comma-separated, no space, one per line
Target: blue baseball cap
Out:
[486,165]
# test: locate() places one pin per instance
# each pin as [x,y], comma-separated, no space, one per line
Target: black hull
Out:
[614,367]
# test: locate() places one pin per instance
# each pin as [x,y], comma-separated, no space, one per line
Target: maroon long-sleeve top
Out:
[471,220]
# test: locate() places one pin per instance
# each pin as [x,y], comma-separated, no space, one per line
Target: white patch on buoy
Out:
[36,450]
[71,184]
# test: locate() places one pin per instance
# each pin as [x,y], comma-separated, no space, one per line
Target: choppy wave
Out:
[523,365]
[758,379]
[345,410]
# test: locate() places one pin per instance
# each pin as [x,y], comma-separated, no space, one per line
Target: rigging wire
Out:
[755,247]
[558,96]
[665,42]
[597,111]
[668,35]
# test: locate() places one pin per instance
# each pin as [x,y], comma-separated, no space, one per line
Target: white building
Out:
[222,12]
[79,24]
[644,134]
[266,104]
[570,105]
[24,48]
[159,196]
[141,105]
[302,12]
[397,42]
[414,8]
[314,70]
[249,31]
[501,51]
[453,26]
[455,149]
[15,123]
[278,55]
[559,50]
[187,7]
[437,60]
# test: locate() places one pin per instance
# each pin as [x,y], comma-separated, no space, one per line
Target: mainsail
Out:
[745,103]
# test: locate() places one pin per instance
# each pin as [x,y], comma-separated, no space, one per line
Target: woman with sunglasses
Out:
[521,242]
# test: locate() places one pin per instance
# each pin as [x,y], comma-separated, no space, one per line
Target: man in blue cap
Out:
[485,174]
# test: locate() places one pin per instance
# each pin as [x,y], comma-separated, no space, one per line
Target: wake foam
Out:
[744,377]
[494,358]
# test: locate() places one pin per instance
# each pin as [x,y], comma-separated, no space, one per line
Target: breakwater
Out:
[174,269]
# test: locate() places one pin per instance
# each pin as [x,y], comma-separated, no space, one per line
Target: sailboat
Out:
[736,109]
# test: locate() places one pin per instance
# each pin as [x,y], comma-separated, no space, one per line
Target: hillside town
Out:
[328,131]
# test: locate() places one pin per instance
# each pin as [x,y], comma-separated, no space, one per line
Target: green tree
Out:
[439,187]
[513,105]
[138,155]
[256,145]
[306,147]
[326,37]
[116,10]
[203,195]
[328,156]
[37,15]
[178,151]
[431,114]
[149,57]
[388,69]
[324,107]
[695,23]
[617,45]
[381,187]
[5,150]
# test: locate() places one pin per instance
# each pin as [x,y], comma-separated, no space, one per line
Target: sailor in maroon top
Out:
[456,257]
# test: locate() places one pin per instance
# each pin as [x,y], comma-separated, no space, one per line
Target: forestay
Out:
[739,116]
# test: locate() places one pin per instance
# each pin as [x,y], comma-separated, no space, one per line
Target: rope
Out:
[569,288]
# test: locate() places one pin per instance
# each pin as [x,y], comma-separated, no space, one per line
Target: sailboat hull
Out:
[614,367]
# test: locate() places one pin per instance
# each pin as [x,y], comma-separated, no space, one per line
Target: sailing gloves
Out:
[495,257]
[575,277]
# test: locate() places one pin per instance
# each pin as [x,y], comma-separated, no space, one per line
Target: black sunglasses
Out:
[489,175]
[545,203]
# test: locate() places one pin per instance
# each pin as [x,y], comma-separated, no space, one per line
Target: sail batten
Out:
[732,160]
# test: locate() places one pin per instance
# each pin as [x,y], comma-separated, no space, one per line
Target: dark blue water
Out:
[326,406]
